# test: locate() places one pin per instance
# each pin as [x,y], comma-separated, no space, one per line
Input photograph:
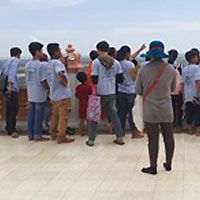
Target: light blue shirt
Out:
[35,74]
[128,85]
[106,77]
[58,92]
[190,74]
[10,70]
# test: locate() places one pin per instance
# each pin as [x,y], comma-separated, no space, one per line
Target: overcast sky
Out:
[85,22]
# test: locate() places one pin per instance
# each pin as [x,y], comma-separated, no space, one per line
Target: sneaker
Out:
[70,131]
[45,132]
[90,143]
[15,135]
[42,140]
[119,141]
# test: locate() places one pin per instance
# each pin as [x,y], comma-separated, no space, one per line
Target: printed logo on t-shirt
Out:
[31,76]
[107,74]
[188,81]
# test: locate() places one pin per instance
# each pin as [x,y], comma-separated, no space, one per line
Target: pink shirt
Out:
[178,84]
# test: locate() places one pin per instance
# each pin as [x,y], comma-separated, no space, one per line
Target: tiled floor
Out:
[45,171]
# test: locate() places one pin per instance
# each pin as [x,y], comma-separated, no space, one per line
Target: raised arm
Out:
[138,51]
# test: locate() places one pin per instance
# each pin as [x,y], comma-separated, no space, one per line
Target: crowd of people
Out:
[170,92]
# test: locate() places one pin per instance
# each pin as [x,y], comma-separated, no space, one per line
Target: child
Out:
[190,84]
[82,93]
[37,86]
[60,95]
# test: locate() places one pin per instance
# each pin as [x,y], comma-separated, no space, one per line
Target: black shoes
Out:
[168,167]
[153,170]
[150,170]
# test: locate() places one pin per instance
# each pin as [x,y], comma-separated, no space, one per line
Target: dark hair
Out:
[196,51]
[52,48]
[103,46]
[147,59]
[93,55]
[173,55]
[189,56]
[122,53]
[34,47]
[134,61]
[112,51]
[15,51]
[81,77]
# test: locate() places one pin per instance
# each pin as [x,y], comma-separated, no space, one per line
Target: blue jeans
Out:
[126,103]
[35,119]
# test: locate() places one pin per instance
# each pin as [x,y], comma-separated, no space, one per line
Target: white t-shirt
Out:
[106,77]
[128,85]
[35,74]
[57,90]
[190,74]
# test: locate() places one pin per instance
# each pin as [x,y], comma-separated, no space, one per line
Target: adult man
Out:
[10,70]
[106,71]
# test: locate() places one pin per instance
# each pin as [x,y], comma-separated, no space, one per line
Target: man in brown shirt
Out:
[157,107]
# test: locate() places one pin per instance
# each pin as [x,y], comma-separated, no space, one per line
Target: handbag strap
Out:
[94,90]
[150,89]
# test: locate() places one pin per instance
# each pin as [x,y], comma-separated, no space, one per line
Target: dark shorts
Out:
[193,114]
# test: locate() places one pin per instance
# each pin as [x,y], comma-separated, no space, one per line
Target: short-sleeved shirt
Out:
[35,74]
[157,107]
[10,70]
[128,85]
[190,74]
[58,92]
[106,77]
